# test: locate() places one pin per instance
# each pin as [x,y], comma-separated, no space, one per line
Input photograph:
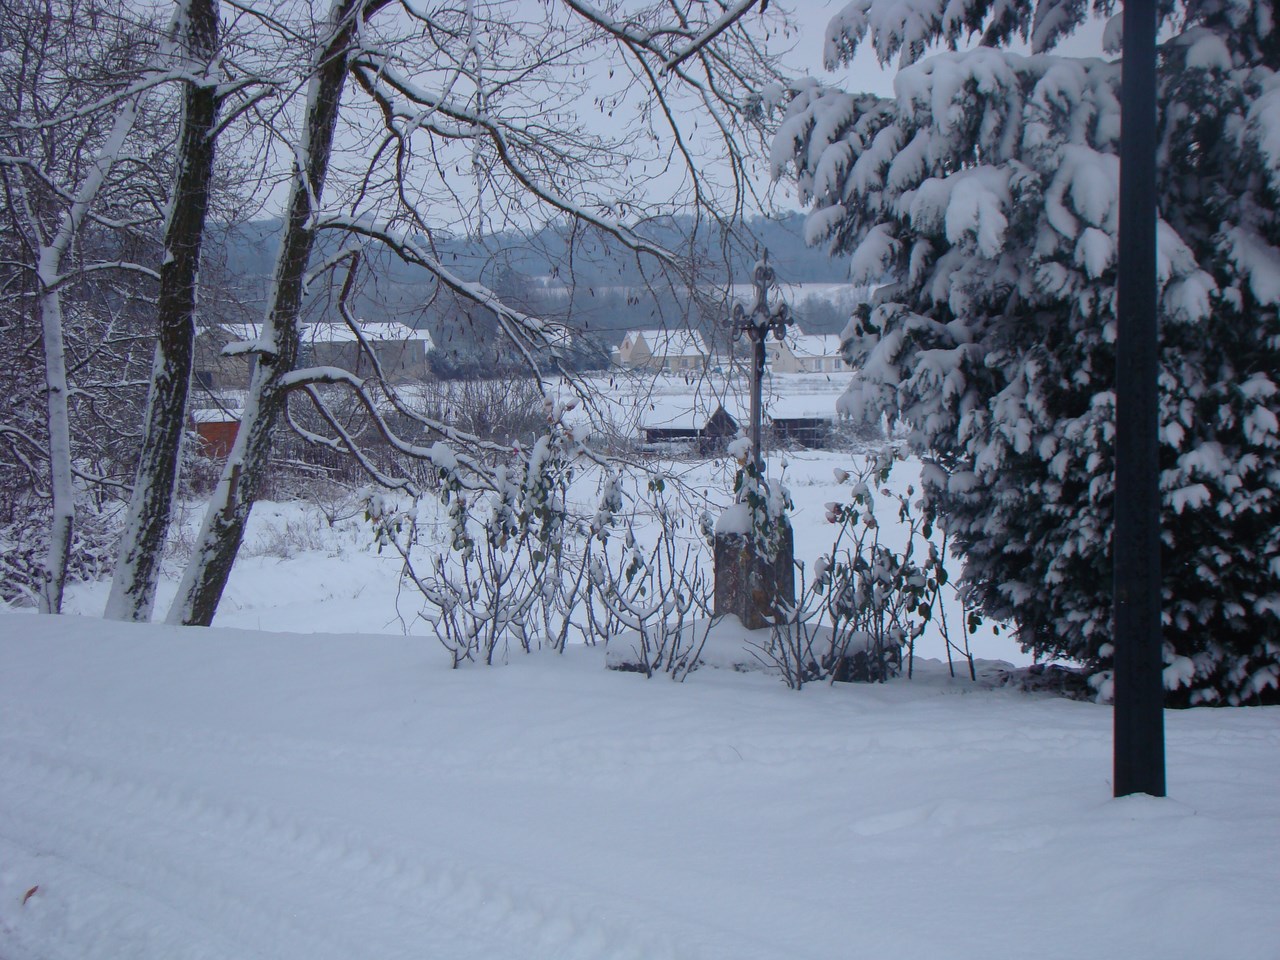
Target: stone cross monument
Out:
[750,584]
[757,325]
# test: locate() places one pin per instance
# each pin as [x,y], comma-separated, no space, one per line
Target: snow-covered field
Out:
[300,572]
[172,793]
[337,791]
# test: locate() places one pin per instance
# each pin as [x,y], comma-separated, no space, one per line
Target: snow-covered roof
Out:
[786,399]
[669,343]
[389,332]
[814,345]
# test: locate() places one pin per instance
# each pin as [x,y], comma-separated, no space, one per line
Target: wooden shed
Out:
[216,431]
[709,436]
[813,433]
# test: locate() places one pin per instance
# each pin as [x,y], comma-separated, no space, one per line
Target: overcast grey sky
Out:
[804,57]
[864,74]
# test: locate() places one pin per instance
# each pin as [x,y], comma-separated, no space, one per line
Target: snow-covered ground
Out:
[178,792]
[337,791]
[300,572]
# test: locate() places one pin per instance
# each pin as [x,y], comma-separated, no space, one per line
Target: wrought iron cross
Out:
[757,324]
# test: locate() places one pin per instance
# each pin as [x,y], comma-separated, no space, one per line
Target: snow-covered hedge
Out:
[986,190]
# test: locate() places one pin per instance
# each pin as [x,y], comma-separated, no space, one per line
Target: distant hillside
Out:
[599,285]
[249,250]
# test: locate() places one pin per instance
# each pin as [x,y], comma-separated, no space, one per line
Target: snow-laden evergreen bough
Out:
[985,193]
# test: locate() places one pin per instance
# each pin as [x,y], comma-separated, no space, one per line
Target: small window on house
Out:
[204,379]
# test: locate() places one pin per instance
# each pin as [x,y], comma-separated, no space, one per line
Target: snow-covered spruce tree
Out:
[985,192]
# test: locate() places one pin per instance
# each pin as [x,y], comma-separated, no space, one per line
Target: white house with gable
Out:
[805,353]
[401,351]
[672,351]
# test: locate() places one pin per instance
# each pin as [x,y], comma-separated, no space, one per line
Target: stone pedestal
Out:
[753,588]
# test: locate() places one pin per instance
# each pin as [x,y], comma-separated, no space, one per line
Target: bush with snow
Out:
[871,598]
[505,578]
[519,566]
[759,510]
[986,190]
[24,544]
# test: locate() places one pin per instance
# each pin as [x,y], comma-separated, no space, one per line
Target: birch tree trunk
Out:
[63,511]
[277,349]
[150,506]
[48,275]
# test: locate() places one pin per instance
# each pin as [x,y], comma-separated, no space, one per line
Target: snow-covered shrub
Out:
[517,569]
[798,648]
[658,599]
[986,192]
[509,576]
[870,600]
[880,597]
[759,510]
[286,537]
[505,410]
[24,544]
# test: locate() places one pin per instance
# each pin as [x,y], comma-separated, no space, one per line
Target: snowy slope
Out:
[173,793]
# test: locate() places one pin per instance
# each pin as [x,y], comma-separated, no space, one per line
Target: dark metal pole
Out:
[756,325]
[757,398]
[1139,661]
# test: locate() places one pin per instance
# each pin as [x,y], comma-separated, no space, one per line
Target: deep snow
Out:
[180,792]
[170,793]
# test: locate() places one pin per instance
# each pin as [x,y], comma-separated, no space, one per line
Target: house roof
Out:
[814,345]
[390,332]
[669,343]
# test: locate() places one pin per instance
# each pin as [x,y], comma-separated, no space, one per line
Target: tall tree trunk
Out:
[277,349]
[58,416]
[63,510]
[142,544]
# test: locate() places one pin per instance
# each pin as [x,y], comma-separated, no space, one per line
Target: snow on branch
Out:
[310,377]
[523,330]
[908,28]
[149,81]
[731,16]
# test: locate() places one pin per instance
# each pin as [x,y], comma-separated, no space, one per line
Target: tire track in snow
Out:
[164,869]
[118,864]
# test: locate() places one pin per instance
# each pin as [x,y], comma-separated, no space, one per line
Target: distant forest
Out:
[598,286]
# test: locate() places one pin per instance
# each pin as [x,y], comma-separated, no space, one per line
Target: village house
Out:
[805,353]
[671,351]
[401,350]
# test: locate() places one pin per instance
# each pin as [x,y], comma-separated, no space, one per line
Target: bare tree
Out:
[277,349]
[146,524]
[468,114]
[73,169]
